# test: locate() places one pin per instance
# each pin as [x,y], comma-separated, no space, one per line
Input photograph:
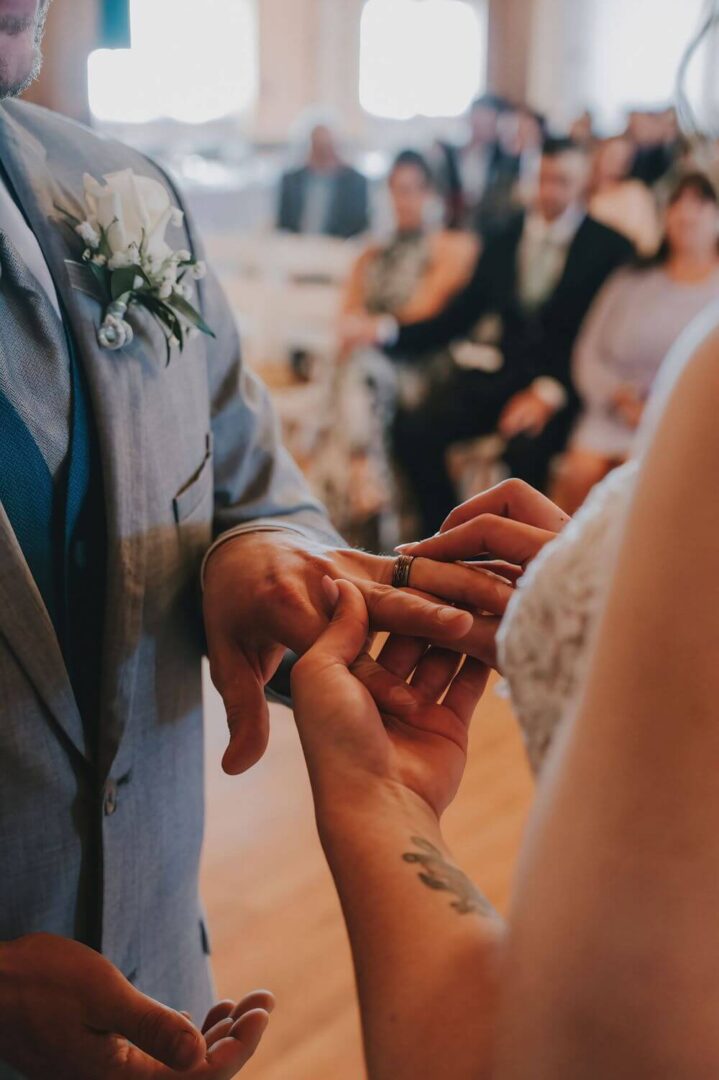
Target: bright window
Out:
[190,61]
[422,57]
[635,54]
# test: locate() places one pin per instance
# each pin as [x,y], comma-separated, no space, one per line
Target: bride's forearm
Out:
[426,942]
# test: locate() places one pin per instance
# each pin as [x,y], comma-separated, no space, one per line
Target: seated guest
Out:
[523,308]
[522,133]
[325,196]
[618,200]
[416,273]
[581,130]
[468,172]
[633,324]
[655,137]
[412,276]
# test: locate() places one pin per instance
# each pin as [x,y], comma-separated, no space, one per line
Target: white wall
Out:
[609,54]
[310,56]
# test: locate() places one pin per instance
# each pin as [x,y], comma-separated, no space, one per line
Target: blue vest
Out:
[60,526]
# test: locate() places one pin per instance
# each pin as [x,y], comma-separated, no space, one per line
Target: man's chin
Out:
[20,53]
[19,64]
[15,78]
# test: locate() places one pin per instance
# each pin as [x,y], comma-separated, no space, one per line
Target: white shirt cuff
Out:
[260,525]
[387,331]
[551,391]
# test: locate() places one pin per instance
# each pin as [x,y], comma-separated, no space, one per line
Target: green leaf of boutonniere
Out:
[190,314]
[123,281]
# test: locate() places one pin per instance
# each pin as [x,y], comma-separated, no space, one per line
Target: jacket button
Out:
[110,798]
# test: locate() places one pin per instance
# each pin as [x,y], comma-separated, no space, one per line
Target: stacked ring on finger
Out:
[401,572]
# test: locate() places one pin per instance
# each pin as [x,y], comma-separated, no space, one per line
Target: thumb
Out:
[161,1033]
[346,634]
[242,686]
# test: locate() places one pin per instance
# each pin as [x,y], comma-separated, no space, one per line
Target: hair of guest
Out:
[414,160]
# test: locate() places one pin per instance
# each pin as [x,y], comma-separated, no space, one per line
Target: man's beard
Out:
[12,26]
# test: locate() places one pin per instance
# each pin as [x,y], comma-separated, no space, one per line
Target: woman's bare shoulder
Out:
[688,386]
[450,242]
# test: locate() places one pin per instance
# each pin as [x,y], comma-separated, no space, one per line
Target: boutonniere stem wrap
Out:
[133,265]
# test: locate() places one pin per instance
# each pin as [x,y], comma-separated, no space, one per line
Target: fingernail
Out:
[402,696]
[331,591]
[449,615]
[406,547]
[186,1049]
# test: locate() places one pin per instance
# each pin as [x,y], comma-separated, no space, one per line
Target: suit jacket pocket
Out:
[194,492]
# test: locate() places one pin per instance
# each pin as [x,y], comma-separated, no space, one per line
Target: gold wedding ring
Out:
[402,570]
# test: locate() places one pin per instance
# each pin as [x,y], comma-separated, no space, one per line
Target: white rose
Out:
[131,209]
[86,232]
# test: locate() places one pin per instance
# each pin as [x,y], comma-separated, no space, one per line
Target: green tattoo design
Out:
[443,876]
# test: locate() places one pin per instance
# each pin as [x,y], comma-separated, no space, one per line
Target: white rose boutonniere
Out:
[126,250]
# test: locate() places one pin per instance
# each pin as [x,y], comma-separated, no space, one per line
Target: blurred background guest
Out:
[581,130]
[410,276]
[468,171]
[324,196]
[522,310]
[620,201]
[414,274]
[522,132]
[637,317]
[655,137]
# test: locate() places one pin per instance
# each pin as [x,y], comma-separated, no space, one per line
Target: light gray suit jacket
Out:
[188,451]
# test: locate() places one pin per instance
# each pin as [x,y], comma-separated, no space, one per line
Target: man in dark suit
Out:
[325,196]
[470,173]
[512,333]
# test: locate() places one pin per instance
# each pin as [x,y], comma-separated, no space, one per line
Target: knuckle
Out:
[514,486]
[116,1053]
[381,600]
[278,590]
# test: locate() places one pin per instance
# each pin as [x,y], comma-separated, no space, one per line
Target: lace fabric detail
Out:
[544,639]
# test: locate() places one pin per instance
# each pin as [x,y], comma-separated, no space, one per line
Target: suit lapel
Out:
[570,274]
[30,634]
[115,384]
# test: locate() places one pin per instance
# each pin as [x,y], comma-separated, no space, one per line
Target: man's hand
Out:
[525,413]
[369,735]
[264,593]
[67,1013]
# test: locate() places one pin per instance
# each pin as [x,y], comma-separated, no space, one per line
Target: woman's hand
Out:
[509,524]
[366,732]
[357,330]
[628,406]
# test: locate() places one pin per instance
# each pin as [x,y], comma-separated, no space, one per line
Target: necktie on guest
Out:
[50,478]
[542,263]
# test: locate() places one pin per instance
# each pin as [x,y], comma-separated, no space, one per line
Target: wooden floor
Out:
[274,917]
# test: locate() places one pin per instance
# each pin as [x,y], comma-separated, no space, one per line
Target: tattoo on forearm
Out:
[443,876]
